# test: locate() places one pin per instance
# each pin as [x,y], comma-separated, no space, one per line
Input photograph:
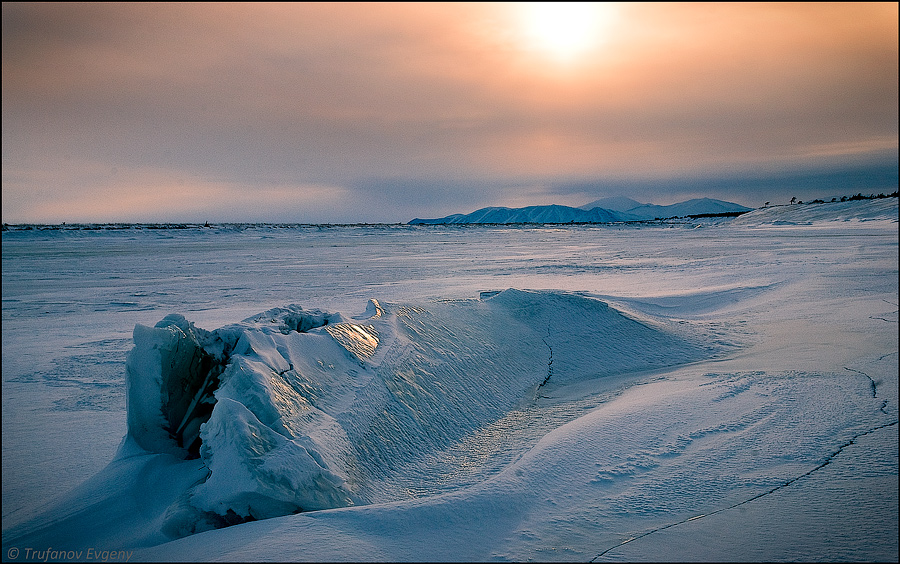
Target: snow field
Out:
[719,393]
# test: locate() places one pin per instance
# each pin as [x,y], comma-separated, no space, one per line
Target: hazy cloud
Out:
[384,112]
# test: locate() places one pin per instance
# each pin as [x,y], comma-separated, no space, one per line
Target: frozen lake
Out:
[787,430]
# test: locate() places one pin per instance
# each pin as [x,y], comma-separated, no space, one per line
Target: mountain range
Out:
[607,210]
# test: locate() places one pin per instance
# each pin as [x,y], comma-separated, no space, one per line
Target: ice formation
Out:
[295,410]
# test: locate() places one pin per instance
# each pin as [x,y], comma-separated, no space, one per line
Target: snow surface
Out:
[706,390]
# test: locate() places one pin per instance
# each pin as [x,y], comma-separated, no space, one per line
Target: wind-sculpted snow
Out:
[715,390]
[296,410]
[823,213]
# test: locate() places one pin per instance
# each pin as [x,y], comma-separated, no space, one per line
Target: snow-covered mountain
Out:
[697,206]
[532,214]
[615,203]
[608,210]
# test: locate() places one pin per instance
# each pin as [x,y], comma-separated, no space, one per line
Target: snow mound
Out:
[296,410]
[848,212]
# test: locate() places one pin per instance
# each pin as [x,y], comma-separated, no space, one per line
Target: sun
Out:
[564,29]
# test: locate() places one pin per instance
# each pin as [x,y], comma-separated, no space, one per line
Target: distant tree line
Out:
[859,196]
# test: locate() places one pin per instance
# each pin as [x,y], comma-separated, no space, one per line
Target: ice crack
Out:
[883,407]
[549,360]
[827,461]
[883,318]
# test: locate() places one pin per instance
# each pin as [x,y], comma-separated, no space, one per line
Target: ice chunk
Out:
[360,340]
[169,382]
[258,473]
[295,410]
[293,318]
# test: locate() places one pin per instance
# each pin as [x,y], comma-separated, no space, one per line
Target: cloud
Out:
[378,98]
[98,194]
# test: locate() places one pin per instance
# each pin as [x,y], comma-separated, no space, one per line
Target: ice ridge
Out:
[296,410]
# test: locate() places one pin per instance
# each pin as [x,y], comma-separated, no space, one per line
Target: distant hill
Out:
[851,211]
[531,214]
[595,214]
[615,203]
[697,206]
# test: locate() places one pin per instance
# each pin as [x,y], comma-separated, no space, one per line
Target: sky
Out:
[384,112]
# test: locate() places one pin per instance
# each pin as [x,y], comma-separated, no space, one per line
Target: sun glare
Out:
[564,29]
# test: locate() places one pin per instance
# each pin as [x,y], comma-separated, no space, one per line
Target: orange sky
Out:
[385,112]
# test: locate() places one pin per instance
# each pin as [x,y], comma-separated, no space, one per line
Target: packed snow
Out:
[721,389]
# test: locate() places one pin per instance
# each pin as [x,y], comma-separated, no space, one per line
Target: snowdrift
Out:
[515,426]
[823,214]
[297,410]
